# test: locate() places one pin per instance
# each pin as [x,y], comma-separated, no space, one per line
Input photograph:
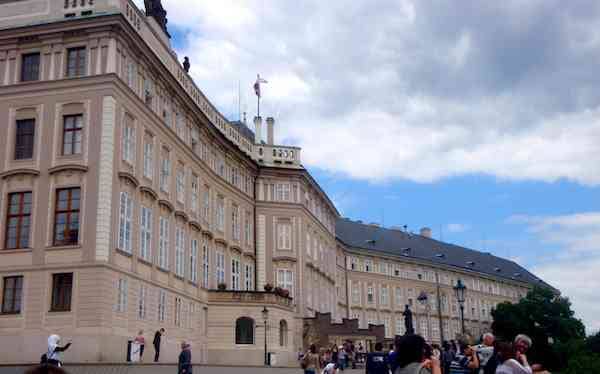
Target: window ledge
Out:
[62,247]
[162,269]
[59,312]
[145,262]
[11,315]
[16,250]
[179,277]
[123,253]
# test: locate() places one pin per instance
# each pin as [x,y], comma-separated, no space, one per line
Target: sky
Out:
[480,120]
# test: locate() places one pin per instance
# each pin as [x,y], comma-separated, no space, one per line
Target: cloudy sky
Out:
[480,119]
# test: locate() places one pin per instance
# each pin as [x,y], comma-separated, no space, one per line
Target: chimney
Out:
[426,232]
[270,130]
[258,130]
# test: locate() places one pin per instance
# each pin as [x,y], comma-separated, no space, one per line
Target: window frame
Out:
[74,132]
[24,71]
[62,293]
[20,216]
[69,212]
[146,233]
[24,140]
[125,235]
[16,301]
[245,331]
[79,69]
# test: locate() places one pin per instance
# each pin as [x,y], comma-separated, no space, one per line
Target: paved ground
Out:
[169,369]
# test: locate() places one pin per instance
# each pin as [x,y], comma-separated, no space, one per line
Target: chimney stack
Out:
[258,130]
[426,232]
[270,130]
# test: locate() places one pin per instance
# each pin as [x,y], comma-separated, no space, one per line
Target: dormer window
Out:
[497,269]
[440,255]
[471,263]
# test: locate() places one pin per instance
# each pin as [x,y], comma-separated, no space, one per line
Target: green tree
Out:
[547,319]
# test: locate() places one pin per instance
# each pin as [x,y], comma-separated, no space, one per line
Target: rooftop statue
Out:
[155,9]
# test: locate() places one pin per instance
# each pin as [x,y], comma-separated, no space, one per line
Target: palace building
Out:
[128,202]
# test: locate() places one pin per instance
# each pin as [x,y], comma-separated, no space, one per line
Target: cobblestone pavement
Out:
[168,369]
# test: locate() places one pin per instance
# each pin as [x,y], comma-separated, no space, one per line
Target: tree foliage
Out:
[547,319]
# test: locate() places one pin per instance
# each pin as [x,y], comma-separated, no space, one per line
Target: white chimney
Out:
[426,232]
[258,130]
[270,130]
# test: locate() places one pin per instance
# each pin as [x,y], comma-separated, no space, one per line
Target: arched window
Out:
[244,330]
[283,333]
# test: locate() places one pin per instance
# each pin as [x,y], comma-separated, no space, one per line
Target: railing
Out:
[274,155]
[249,297]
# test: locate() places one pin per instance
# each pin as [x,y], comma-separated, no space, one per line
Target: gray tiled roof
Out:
[244,130]
[396,243]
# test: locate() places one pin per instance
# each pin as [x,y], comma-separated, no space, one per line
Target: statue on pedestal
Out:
[408,321]
[155,9]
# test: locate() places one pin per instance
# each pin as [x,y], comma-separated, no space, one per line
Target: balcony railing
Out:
[277,155]
[249,297]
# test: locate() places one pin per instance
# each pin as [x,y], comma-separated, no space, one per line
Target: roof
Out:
[244,130]
[423,249]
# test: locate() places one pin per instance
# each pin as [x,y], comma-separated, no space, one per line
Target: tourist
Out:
[411,358]
[485,350]
[185,359]
[360,352]
[141,342]
[156,343]
[377,362]
[512,361]
[54,355]
[393,355]
[447,357]
[311,361]
[465,362]
[522,344]
[330,368]
[334,354]
[342,357]
[436,351]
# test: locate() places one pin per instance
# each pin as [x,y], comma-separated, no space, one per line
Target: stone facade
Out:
[127,199]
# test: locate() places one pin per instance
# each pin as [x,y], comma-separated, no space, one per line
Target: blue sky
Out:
[479,120]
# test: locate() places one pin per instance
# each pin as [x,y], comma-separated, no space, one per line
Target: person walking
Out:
[185,359]
[447,357]
[377,361]
[330,368]
[54,354]
[156,343]
[342,357]
[138,345]
[485,351]
[393,355]
[412,358]
[311,361]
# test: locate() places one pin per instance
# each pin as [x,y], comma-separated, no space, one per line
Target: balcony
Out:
[250,297]
[278,155]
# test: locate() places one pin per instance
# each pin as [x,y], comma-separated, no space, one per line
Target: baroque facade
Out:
[128,200]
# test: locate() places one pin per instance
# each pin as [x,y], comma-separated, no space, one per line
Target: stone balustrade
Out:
[249,297]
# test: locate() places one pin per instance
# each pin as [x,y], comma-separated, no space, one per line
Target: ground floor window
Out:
[244,330]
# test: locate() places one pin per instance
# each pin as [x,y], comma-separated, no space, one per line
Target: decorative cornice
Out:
[24,171]
[183,215]
[130,177]
[149,191]
[222,241]
[285,258]
[167,204]
[195,224]
[237,248]
[207,233]
[66,167]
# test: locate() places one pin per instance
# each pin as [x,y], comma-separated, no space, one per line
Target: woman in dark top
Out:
[185,359]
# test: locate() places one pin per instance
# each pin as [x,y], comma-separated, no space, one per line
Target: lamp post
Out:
[265,316]
[460,289]
[424,300]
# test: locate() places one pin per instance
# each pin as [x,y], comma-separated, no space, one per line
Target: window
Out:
[129,143]
[368,265]
[148,91]
[195,140]
[285,280]
[141,310]
[165,173]
[131,73]
[205,265]
[356,294]
[283,333]
[370,296]
[125,216]
[308,244]
[62,287]
[249,277]
[386,324]
[18,220]
[179,252]
[194,261]
[180,125]
[121,295]
[195,193]
[180,184]
[284,236]
[244,330]
[24,139]
[162,305]
[30,67]
[248,229]
[146,233]
[283,192]
[76,62]
[353,263]
[163,243]
[167,112]
[235,222]
[220,267]
[66,216]
[383,268]
[177,316]
[383,297]
[148,160]
[72,134]
[398,297]
[220,213]
[401,328]
[235,274]
[206,204]
[12,295]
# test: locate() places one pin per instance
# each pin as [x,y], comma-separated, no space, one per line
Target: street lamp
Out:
[460,289]
[265,316]
[423,299]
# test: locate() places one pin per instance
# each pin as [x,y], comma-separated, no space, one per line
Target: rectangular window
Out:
[179,252]
[370,295]
[72,134]
[62,287]
[383,297]
[248,229]
[205,265]
[308,252]
[129,143]
[141,310]
[180,125]
[399,298]
[146,233]
[24,139]
[195,193]
[12,295]
[285,280]
[165,174]
[180,185]
[249,277]
[284,236]
[163,243]
[18,220]
[195,140]
[66,216]
[387,324]
[220,267]
[76,61]
[356,294]
[177,312]
[368,265]
[162,305]
[400,327]
[125,218]
[235,274]
[131,73]
[235,222]
[30,67]
[220,213]
[121,306]
[206,204]
[283,192]
[148,160]
[194,261]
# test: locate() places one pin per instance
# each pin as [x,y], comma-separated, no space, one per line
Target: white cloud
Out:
[574,267]
[457,227]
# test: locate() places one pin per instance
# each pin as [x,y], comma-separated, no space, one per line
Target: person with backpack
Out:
[54,354]
[377,362]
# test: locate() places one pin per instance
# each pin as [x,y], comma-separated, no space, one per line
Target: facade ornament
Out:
[186,64]
[155,9]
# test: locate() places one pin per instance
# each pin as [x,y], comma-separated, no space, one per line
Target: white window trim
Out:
[179,252]
[163,244]
[146,233]
[125,222]
[194,261]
